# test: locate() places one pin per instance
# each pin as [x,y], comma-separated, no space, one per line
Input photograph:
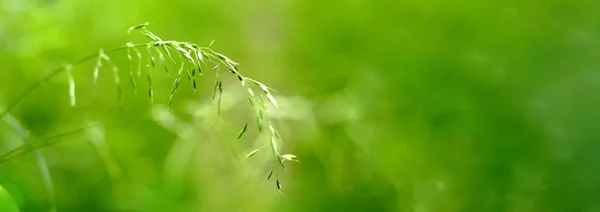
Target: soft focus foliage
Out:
[7,204]
[388,105]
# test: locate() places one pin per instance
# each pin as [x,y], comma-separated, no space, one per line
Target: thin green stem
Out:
[44,142]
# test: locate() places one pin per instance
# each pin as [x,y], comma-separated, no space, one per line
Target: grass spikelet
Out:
[184,52]
[136,27]
[259,124]
[199,60]
[250,154]
[68,69]
[243,131]
[227,60]
[277,135]
[175,85]
[249,91]
[278,184]
[151,35]
[189,75]
[98,65]
[139,57]
[116,77]
[168,53]
[194,79]
[152,60]
[261,114]
[161,59]
[220,88]
[272,99]
[251,101]
[276,152]
[130,60]
[267,92]
[149,69]
[161,56]
[215,88]
[194,84]
[117,81]
[274,145]
[150,91]
[199,56]
[270,173]
[289,157]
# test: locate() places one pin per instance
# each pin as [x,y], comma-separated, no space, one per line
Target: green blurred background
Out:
[406,105]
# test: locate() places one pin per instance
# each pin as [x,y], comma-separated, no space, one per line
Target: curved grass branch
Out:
[56,72]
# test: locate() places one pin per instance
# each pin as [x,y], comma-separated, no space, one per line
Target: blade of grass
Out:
[40,160]
[98,141]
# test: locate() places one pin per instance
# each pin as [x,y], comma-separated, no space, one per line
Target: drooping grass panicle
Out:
[259,95]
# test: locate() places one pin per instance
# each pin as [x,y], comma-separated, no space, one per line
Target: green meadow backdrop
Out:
[399,105]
